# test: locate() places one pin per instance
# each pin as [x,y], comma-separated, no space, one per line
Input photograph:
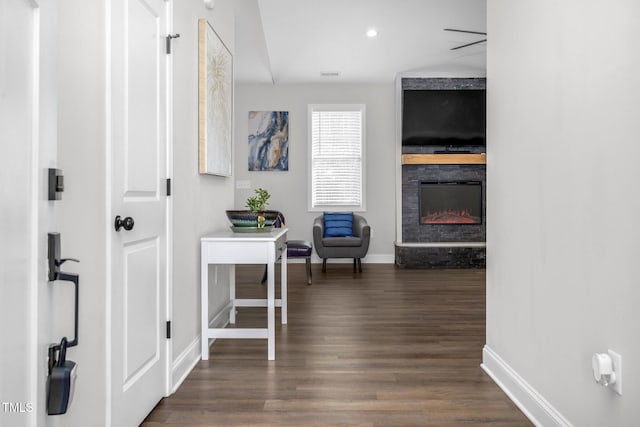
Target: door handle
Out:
[126,223]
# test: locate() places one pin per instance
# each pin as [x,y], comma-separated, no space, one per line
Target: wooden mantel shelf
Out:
[445,159]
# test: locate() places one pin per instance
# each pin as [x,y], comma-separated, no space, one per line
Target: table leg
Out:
[204,302]
[283,286]
[232,294]
[271,309]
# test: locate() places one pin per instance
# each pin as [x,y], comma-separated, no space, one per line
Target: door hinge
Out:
[168,329]
[169,37]
[168,186]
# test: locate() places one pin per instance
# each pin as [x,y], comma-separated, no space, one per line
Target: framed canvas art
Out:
[268,141]
[215,103]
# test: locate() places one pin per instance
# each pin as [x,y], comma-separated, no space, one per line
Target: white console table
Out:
[227,247]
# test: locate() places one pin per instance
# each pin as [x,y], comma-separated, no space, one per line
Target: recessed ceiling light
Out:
[372,33]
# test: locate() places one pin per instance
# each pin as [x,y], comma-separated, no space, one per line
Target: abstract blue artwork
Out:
[268,140]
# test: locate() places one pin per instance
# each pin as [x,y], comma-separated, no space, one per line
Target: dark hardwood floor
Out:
[388,347]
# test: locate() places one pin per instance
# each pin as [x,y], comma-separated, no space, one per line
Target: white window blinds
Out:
[337,147]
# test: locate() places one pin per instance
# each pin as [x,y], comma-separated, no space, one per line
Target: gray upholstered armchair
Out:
[355,246]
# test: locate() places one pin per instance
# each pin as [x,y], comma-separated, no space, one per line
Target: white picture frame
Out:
[215,103]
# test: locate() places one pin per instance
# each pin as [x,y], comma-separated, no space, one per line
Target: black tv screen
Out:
[444,117]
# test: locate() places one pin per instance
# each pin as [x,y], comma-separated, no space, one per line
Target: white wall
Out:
[289,189]
[199,201]
[562,232]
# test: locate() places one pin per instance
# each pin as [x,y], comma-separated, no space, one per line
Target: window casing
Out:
[336,157]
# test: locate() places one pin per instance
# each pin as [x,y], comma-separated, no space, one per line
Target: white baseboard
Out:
[189,358]
[379,259]
[185,363]
[531,403]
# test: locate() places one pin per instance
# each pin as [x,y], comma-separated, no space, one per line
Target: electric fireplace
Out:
[451,203]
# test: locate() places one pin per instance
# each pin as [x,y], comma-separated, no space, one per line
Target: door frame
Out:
[169,203]
[36,265]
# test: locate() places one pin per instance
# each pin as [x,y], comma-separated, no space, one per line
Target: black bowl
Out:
[245,218]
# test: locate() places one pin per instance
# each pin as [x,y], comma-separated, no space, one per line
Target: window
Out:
[336,146]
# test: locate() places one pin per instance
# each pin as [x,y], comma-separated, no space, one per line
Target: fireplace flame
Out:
[450,216]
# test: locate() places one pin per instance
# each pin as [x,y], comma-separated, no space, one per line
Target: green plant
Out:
[258,202]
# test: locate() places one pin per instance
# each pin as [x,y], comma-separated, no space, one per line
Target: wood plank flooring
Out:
[388,347]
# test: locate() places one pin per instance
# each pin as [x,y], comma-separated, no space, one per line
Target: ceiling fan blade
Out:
[468,44]
[465,31]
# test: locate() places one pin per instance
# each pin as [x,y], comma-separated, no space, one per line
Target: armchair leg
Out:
[308,262]
[324,265]
[360,265]
[355,263]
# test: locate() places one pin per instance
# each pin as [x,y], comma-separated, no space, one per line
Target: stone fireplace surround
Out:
[439,246]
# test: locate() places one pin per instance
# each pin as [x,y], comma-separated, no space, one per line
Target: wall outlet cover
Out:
[244,184]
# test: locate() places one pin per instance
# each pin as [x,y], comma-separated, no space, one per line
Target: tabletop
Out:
[229,235]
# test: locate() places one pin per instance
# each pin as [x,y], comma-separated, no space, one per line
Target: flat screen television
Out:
[444,117]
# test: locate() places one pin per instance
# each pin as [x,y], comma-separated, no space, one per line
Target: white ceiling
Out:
[294,41]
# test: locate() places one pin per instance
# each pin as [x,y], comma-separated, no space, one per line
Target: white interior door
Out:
[139,255]
[18,220]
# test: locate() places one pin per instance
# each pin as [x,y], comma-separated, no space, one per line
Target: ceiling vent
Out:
[329,74]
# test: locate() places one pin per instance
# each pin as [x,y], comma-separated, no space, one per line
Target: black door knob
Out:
[126,223]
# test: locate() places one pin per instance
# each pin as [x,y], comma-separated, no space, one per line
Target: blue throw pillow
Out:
[338,224]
